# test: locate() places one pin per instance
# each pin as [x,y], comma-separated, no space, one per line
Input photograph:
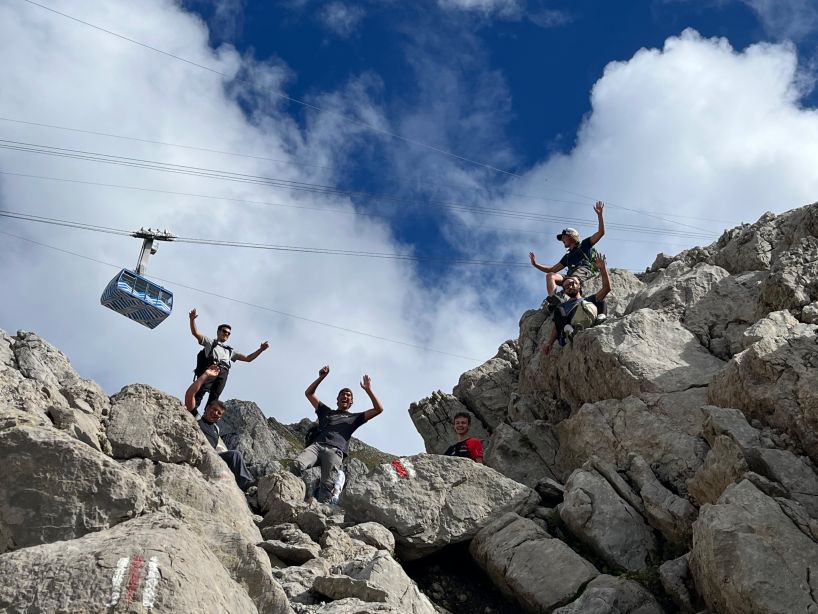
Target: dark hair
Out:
[218,404]
[579,280]
[462,414]
[227,326]
[349,390]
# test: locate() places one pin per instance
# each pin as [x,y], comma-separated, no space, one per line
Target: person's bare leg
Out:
[551,282]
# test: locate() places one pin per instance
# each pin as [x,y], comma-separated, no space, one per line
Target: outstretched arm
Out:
[603,273]
[190,393]
[254,355]
[599,207]
[193,329]
[310,391]
[377,408]
[545,269]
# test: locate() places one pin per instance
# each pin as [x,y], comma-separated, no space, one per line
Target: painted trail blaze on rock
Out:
[132,568]
[403,468]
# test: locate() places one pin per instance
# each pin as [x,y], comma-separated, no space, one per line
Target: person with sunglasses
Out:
[216,352]
[579,258]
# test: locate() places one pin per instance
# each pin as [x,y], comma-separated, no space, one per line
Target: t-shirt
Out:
[222,354]
[469,448]
[211,433]
[336,426]
[581,255]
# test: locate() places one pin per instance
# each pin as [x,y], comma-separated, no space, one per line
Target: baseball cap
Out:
[571,232]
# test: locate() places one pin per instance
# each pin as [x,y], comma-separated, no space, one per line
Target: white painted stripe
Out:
[410,468]
[392,474]
[152,581]
[116,580]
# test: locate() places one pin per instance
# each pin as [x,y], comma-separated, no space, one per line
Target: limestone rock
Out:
[244,428]
[614,429]
[486,389]
[748,556]
[433,416]
[793,279]
[645,351]
[53,487]
[515,552]
[675,578]
[444,500]
[148,423]
[152,562]
[524,451]
[775,380]
[81,426]
[624,287]
[374,534]
[809,314]
[609,595]
[281,486]
[723,465]
[677,288]
[289,543]
[670,514]
[792,472]
[601,519]
[343,587]
[721,316]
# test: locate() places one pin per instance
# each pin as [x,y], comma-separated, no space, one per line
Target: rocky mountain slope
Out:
[675,444]
[663,462]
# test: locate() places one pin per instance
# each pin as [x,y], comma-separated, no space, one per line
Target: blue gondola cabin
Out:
[137,298]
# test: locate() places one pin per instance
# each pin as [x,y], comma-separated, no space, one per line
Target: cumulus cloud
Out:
[66,74]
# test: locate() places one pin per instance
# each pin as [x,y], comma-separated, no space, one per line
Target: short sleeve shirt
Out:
[336,427]
[222,354]
[211,433]
[581,255]
[469,448]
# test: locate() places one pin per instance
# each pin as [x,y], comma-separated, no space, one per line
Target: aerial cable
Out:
[343,211]
[294,185]
[254,305]
[299,162]
[308,105]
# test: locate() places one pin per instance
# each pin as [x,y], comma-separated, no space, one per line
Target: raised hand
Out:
[323,371]
[600,260]
[532,258]
[264,346]
[193,315]
[598,207]
[366,383]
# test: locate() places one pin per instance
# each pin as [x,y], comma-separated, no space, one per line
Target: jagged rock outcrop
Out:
[244,428]
[444,500]
[433,417]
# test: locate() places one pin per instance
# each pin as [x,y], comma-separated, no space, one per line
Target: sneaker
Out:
[568,331]
[553,300]
[252,491]
[600,318]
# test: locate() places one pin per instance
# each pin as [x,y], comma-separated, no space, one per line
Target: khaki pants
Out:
[330,458]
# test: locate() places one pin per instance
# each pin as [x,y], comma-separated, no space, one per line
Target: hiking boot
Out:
[600,319]
[553,300]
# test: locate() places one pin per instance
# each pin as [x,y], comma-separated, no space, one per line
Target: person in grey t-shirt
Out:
[219,353]
[335,428]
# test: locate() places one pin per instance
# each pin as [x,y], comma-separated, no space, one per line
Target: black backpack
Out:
[204,359]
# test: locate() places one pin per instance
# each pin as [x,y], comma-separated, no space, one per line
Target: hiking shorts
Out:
[584,273]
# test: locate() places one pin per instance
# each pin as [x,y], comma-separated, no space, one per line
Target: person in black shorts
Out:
[335,428]
[217,352]
[579,258]
[577,311]
[468,447]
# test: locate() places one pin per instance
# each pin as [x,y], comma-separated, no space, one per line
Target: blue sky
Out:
[685,117]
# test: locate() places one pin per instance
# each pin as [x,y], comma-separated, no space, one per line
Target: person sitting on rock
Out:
[335,430]
[214,410]
[579,258]
[576,311]
[468,447]
[219,353]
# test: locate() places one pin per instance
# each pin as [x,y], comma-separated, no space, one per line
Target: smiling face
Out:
[568,241]
[571,286]
[461,425]
[223,334]
[344,399]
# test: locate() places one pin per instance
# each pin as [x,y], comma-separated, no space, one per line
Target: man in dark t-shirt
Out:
[579,258]
[335,428]
[577,311]
[467,447]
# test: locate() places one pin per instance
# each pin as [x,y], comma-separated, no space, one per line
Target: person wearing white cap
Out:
[579,258]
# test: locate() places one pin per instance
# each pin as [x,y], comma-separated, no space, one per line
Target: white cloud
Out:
[786,19]
[340,18]
[67,74]
[502,8]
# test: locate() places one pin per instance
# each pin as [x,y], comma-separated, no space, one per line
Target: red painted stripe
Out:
[400,468]
[133,577]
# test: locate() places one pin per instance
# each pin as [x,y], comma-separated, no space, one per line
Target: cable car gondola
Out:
[133,295]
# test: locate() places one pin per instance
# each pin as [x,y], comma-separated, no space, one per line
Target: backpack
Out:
[583,315]
[204,359]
